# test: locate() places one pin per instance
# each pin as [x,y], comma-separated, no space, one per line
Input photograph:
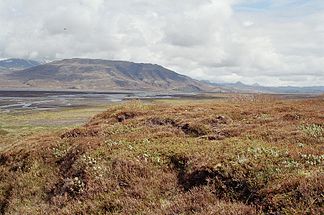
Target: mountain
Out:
[256,88]
[95,74]
[17,64]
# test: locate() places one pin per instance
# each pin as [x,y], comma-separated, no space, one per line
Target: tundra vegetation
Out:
[241,155]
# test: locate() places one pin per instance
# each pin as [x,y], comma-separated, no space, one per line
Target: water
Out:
[44,100]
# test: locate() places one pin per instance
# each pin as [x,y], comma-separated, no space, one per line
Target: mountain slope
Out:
[17,64]
[92,74]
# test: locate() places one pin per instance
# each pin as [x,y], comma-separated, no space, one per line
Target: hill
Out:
[247,156]
[92,74]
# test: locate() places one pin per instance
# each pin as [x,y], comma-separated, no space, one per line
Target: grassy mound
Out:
[259,156]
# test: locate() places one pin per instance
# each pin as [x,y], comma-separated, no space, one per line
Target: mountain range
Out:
[17,64]
[108,75]
[96,74]
[256,88]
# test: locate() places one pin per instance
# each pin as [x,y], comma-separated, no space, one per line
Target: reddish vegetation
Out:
[225,157]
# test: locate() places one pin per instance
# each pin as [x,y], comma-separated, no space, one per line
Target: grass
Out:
[15,126]
[236,156]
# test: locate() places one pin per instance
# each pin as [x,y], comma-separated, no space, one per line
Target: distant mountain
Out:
[95,74]
[256,88]
[108,75]
[292,89]
[17,64]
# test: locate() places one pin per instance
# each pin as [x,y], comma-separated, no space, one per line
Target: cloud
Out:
[276,43]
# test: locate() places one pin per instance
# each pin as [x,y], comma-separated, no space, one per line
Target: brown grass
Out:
[249,155]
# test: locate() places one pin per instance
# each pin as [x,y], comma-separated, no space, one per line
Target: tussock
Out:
[253,155]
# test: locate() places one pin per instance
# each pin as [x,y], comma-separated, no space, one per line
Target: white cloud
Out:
[206,39]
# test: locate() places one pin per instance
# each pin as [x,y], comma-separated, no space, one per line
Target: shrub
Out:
[313,130]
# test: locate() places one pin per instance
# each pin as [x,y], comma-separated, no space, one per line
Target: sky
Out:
[269,42]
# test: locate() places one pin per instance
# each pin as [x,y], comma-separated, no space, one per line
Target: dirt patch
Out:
[222,134]
[193,130]
[285,109]
[246,113]
[221,120]
[161,122]
[203,201]
[81,132]
[197,178]
[111,207]
[225,186]
[23,163]
[5,199]
[3,159]
[179,162]
[291,117]
[121,117]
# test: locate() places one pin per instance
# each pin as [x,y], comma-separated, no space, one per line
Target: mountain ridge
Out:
[119,75]
[98,74]
[17,64]
[257,88]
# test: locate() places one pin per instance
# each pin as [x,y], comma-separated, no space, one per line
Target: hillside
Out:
[243,156]
[17,64]
[90,74]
